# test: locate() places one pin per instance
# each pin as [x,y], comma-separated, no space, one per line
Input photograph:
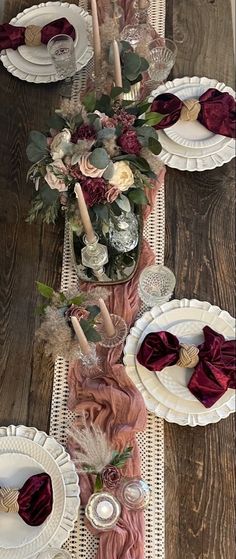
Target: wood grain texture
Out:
[199,476]
[199,248]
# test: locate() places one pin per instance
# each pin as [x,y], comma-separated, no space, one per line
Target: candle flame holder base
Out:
[103,511]
[94,255]
[121,331]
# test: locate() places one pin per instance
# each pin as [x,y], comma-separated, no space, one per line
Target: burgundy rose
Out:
[84,132]
[129,143]
[78,312]
[94,190]
[111,477]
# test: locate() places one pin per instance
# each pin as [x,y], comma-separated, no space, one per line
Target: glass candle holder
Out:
[120,332]
[95,256]
[53,553]
[134,493]
[103,511]
[156,285]
[62,52]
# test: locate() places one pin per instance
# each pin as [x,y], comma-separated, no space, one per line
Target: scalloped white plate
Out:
[166,393]
[181,157]
[25,451]
[33,64]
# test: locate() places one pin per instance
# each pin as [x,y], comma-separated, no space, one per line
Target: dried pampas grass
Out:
[94,451]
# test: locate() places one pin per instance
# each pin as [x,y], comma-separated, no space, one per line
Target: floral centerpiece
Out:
[105,144]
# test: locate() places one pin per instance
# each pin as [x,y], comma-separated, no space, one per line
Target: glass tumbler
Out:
[62,52]
[52,553]
[156,285]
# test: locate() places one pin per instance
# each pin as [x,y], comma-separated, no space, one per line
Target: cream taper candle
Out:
[96,38]
[83,342]
[117,65]
[108,324]
[89,232]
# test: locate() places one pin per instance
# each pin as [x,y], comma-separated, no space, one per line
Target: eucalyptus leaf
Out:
[144,64]
[89,102]
[91,334]
[102,212]
[44,290]
[48,195]
[109,171]
[154,146]
[104,105]
[132,65]
[116,91]
[93,310]
[106,133]
[123,203]
[138,196]
[39,139]
[126,46]
[99,158]
[57,122]
[34,153]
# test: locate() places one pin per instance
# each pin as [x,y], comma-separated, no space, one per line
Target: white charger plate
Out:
[192,134]
[33,64]
[194,153]
[25,451]
[166,393]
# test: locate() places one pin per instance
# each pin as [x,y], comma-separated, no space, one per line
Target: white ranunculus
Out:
[122,177]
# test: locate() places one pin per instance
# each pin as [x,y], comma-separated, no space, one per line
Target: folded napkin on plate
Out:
[33,501]
[213,361]
[12,37]
[216,110]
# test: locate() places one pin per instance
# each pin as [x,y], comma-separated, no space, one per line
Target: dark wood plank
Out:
[27,253]
[200,249]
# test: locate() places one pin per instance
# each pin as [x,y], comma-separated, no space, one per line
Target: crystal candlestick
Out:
[103,511]
[94,256]
[140,32]
[119,334]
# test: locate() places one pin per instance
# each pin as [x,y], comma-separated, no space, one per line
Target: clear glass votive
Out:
[162,59]
[134,493]
[156,285]
[62,52]
[103,510]
[120,334]
[53,553]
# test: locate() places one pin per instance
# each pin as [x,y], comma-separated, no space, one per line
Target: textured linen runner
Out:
[127,541]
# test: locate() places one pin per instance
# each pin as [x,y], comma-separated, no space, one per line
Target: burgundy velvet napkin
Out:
[11,37]
[214,373]
[35,499]
[217,111]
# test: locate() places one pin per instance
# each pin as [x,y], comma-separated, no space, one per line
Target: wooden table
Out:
[199,248]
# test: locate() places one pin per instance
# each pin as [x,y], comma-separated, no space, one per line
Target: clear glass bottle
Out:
[123,231]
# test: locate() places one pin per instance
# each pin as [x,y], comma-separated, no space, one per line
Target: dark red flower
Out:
[84,132]
[78,312]
[129,142]
[94,190]
[111,477]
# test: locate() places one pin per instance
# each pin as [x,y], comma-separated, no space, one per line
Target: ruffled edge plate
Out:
[159,409]
[54,454]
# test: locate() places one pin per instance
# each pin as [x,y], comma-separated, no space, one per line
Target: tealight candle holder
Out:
[134,493]
[103,510]
[119,335]
[94,255]
[90,359]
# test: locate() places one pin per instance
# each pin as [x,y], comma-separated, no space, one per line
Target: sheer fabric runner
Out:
[151,442]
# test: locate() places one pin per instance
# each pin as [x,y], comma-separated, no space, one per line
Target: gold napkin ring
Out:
[188,356]
[33,36]
[9,500]
[190,110]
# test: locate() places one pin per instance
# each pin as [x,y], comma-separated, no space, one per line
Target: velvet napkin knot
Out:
[214,372]
[12,37]
[216,110]
[33,501]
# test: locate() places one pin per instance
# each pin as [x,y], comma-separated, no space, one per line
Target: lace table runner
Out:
[81,544]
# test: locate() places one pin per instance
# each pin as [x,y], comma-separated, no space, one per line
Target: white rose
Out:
[122,177]
[60,145]
[54,175]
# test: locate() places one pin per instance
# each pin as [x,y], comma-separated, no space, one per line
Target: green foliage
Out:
[109,171]
[44,290]
[37,147]
[138,196]
[99,158]
[153,118]
[123,202]
[154,146]
[57,122]
[91,334]
[98,484]
[120,458]
[89,102]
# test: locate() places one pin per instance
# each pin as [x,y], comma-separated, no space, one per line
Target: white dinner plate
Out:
[182,157]
[33,64]
[166,393]
[25,451]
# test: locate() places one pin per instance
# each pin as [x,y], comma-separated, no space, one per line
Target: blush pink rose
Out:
[55,175]
[112,194]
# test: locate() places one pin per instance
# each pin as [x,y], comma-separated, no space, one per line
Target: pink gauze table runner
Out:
[128,540]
